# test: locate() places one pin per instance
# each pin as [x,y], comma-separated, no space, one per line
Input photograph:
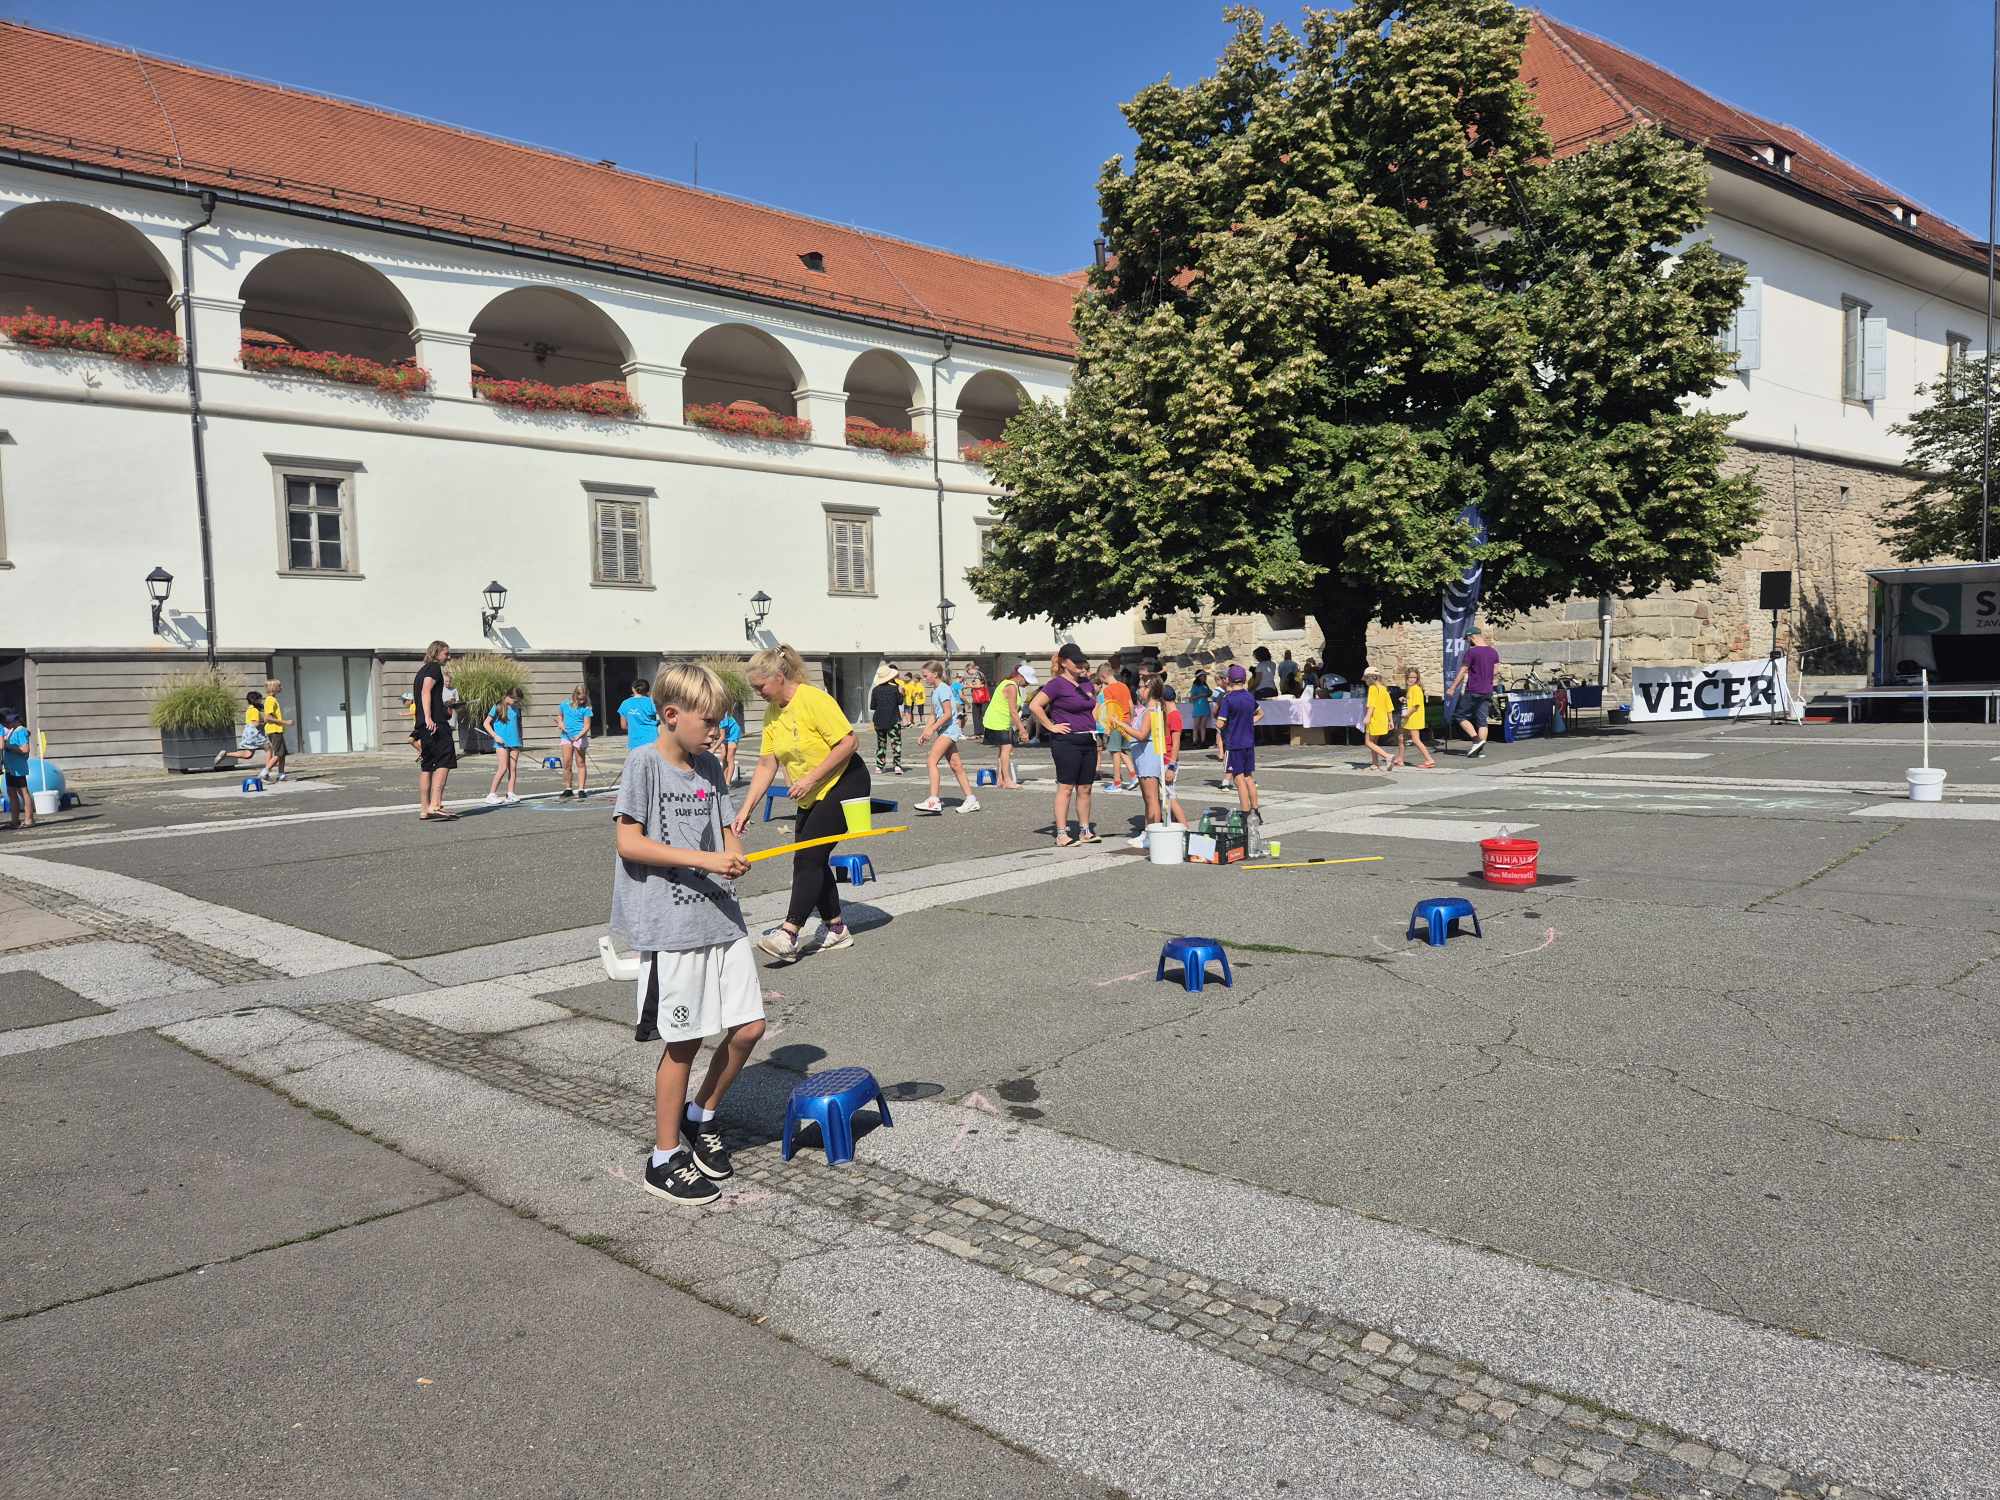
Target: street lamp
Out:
[159,584]
[760,607]
[946,609]
[495,595]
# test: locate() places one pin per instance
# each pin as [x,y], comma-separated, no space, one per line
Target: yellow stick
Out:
[1300,864]
[831,838]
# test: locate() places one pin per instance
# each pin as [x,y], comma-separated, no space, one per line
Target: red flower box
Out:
[347,369]
[138,346]
[862,433]
[601,398]
[748,419]
[979,452]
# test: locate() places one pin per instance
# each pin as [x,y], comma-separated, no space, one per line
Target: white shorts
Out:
[698,993]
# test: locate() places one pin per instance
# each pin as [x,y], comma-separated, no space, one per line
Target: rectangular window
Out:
[317,534]
[1957,350]
[850,554]
[618,541]
[1853,348]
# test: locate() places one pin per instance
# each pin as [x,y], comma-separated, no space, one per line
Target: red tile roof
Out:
[83,101]
[1590,90]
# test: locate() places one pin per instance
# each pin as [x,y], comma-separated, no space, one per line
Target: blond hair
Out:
[271,686]
[579,695]
[435,650]
[692,688]
[777,661]
[934,667]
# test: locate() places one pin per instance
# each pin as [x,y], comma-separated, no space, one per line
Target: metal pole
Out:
[1986,363]
[207,201]
[937,477]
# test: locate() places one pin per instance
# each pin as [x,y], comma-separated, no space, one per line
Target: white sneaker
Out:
[930,804]
[1137,841]
[970,804]
[494,799]
[826,940]
[780,943]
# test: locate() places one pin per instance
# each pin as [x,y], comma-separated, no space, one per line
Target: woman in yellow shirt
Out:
[807,734]
[1413,718]
[1381,720]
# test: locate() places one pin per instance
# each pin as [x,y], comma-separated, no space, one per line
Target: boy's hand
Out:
[722,862]
[741,824]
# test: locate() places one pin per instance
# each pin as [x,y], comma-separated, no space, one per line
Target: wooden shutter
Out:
[1874,358]
[620,538]
[847,555]
[1749,340]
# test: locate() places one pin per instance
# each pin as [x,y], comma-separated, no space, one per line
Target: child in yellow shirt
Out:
[274,732]
[1381,717]
[1413,718]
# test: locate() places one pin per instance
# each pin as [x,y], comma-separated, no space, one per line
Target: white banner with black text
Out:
[1726,691]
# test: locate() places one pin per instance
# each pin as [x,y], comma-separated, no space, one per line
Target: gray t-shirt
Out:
[674,911]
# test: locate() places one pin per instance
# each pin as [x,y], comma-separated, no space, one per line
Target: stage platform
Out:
[1988,692]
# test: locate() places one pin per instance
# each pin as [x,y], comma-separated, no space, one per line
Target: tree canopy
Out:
[1349,293]
[1940,518]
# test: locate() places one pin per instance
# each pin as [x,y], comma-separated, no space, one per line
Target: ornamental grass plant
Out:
[733,678]
[203,702]
[345,369]
[485,678]
[133,344]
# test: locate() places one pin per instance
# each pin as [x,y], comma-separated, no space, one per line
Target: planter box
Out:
[182,750]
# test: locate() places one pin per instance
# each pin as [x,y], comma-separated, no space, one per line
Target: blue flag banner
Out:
[1461,602]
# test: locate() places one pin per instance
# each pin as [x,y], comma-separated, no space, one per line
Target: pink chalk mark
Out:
[1120,979]
[979,1101]
[1546,942]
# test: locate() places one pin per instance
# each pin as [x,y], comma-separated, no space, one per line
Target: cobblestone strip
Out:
[185,952]
[1590,1449]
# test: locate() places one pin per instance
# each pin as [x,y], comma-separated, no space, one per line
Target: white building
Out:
[347,527]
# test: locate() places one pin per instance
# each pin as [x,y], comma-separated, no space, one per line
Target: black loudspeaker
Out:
[1775,592]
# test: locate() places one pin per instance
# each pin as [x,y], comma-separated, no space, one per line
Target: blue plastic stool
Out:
[67,800]
[831,1098]
[986,776]
[852,866]
[253,783]
[1194,954]
[551,763]
[1439,917]
[882,804]
[771,797]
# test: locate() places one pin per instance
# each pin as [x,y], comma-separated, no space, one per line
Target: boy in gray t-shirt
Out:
[673,894]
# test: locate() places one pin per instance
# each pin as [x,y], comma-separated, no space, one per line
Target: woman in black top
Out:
[431,734]
[885,707]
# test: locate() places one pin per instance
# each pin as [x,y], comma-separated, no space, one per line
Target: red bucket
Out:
[1509,861]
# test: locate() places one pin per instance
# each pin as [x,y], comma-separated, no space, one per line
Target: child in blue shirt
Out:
[573,725]
[503,726]
[14,739]
[642,720]
[1237,718]
[731,733]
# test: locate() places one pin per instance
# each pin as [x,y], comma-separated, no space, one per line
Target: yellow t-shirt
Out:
[802,732]
[913,694]
[1413,707]
[1380,709]
[274,715]
[252,719]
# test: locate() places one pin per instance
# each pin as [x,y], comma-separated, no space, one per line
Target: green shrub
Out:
[204,702]
[733,678]
[485,679]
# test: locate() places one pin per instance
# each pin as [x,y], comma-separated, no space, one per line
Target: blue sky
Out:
[982,128]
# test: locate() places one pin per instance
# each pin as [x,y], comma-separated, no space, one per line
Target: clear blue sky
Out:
[982,128]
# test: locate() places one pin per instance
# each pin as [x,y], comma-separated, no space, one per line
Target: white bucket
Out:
[47,803]
[1926,784]
[1166,843]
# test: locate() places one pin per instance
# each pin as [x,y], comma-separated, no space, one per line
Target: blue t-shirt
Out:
[1240,710]
[642,721]
[731,730]
[506,728]
[576,721]
[944,704]
[17,750]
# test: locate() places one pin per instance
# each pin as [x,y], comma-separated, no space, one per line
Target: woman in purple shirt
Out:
[1066,708]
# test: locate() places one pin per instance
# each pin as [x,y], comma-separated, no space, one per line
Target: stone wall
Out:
[1820,522]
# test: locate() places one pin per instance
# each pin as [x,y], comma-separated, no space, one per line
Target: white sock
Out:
[699,1115]
[660,1157]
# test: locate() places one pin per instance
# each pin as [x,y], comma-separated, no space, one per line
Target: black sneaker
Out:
[704,1140]
[1478,746]
[679,1180]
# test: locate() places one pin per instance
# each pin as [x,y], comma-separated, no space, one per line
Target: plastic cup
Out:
[859,813]
[1276,848]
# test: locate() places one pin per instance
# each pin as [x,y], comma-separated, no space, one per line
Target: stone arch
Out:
[735,362]
[881,388]
[327,302]
[548,334]
[986,403]
[70,260]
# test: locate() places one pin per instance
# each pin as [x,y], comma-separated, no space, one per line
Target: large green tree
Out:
[1941,516]
[1348,294]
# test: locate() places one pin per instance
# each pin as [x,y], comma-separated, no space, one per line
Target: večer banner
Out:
[1727,691]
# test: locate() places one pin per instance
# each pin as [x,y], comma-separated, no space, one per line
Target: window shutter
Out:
[631,564]
[1749,339]
[862,533]
[607,542]
[620,551]
[843,565]
[1874,358]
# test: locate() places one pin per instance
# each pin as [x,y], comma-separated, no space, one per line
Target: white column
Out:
[217,326]
[940,425]
[660,389]
[447,354]
[827,411]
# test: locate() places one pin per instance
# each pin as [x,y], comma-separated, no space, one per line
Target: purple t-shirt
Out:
[1072,703]
[1239,709]
[1481,662]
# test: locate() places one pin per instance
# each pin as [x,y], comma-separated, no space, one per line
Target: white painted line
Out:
[1751,783]
[1945,812]
[250,825]
[285,788]
[1660,755]
[289,950]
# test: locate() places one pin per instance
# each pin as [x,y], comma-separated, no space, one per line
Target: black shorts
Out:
[1477,709]
[437,752]
[999,736]
[1075,756]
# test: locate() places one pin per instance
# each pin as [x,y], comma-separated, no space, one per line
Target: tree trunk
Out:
[1343,614]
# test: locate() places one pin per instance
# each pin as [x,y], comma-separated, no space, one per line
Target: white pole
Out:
[1927,716]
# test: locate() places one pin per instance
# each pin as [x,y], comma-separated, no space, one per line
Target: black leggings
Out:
[813,886]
